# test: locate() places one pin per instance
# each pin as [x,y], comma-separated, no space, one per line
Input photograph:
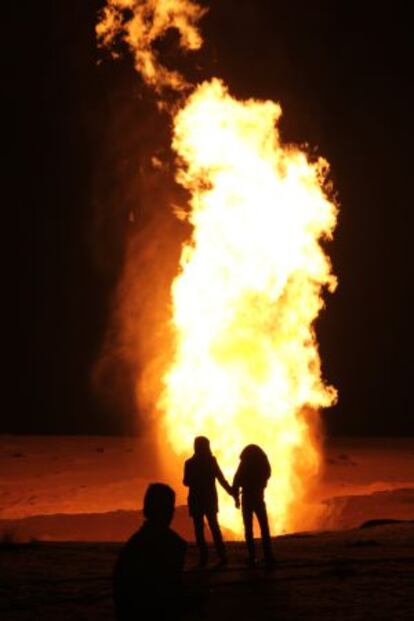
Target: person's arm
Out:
[221,479]
[186,480]
[236,487]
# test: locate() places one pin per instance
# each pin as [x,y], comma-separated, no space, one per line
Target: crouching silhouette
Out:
[148,572]
[252,476]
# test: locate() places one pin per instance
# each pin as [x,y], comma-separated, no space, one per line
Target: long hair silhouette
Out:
[252,475]
[254,469]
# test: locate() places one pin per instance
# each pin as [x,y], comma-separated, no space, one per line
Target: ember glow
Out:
[246,367]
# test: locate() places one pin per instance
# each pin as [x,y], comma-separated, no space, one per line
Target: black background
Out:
[341,71]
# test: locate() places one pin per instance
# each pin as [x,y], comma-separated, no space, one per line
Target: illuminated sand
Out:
[364,479]
[321,576]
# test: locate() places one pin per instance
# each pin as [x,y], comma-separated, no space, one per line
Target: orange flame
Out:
[246,367]
[140,24]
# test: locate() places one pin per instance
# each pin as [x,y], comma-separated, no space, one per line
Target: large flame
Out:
[246,367]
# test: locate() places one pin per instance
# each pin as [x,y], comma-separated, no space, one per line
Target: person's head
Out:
[202,446]
[159,504]
[252,453]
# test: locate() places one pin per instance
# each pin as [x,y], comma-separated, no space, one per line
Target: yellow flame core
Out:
[246,367]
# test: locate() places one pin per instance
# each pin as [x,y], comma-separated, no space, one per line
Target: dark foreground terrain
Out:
[365,573]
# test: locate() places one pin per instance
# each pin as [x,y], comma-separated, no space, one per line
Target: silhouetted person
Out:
[252,476]
[200,474]
[148,572]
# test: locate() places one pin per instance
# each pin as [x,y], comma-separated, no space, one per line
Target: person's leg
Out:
[260,510]
[198,520]
[247,514]
[217,536]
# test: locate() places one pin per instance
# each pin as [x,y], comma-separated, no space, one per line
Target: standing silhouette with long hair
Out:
[200,474]
[252,475]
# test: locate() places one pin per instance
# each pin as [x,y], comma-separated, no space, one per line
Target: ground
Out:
[363,478]
[58,490]
[359,574]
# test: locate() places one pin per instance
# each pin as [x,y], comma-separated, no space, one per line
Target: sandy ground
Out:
[91,487]
[363,478]
[350,575]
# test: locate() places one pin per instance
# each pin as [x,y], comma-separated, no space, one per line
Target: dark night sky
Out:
[342,73]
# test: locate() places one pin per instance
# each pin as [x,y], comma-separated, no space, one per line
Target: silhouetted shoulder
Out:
[188,467]
[148,574]
[188,463]
[175,540]
[150,548]
[147,537]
